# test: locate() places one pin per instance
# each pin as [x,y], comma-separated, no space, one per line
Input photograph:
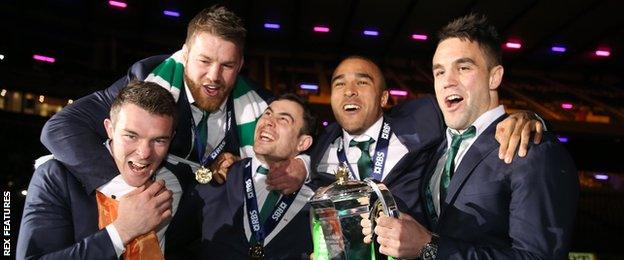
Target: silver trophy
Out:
[337,211]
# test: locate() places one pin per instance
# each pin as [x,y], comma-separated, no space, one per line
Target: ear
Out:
[304,142]
[496,76]
[384,98]
[185,52]
[110,128]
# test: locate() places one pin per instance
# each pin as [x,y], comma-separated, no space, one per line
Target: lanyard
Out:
[259,231]
[208,158]
[380,156]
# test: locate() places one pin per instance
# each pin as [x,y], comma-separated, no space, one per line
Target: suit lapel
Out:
[482,147]
[300,201]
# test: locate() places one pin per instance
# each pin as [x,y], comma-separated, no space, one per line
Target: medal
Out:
[203,175]
[256,252]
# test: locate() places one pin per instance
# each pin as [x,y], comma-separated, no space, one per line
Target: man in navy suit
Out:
[129,215]
[243,219]
[477,206]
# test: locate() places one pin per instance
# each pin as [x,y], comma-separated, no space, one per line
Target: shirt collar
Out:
[482,122]
[255,163]
[371,132]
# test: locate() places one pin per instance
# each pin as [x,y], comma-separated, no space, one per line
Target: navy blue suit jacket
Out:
[223,234]
[75,134]
[60,220]
[419,125]
[493,210]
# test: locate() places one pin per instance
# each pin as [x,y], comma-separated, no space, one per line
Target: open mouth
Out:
[137,167]
[453,100]
[351,107]
[266,137]
[212,89]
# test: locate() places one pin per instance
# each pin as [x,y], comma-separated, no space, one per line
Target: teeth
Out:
[350,106]
[453,97]
[213,87]
[139,165]
[265,136]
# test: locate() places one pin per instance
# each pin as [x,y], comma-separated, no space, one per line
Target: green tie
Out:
[271,199]
[364,163]
[203,129]
[449,165]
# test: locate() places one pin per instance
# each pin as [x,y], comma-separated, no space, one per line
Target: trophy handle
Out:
[381,201]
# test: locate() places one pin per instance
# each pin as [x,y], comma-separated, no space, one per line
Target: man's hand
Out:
[516,129]
[221,166]
[142,210]
[401,238]
[287,176]
[366,228]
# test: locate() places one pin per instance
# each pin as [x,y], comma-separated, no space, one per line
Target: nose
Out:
[450,79]
[144,149]
[350,90]
[213,72]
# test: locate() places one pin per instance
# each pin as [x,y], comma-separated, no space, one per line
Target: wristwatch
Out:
[430,250]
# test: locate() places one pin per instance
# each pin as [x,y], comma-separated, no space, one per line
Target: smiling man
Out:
[131,215]
[477,206]
[253,222]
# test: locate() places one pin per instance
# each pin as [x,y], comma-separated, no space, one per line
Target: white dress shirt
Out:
[396,151]
[482,123]
[261,194]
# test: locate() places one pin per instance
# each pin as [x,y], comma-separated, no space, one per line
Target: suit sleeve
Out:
[46,230]
[544,197]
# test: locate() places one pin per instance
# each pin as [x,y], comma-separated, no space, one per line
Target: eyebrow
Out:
[357,75]
[458,61]
[211,59]
[281,113]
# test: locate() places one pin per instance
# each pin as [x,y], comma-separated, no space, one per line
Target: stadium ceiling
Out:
[95,36]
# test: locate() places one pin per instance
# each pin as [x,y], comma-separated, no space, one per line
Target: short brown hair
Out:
[220,22]
[476,28]
[382,80]
[309,120]
[147,95]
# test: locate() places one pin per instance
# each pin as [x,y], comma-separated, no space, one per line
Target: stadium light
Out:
[371,33]
[558,48]
[562,139]
[396,92]
[43,58]
[117,4]
[513,45]
[603,53]
[419,37]
[321,29]
[601,176]
[308,86]
[171,13]
[325,123]
[567,106]
[273,26]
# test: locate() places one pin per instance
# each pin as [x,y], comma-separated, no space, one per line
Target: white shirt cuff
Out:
[116,239]
[306,162]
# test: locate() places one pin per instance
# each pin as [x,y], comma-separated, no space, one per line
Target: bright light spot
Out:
[41,98]
[70,101]
[371,33]
[3,92]
[419,37]
[321,29]
[603,53]
[271,26]
[171,13]
[44,58]
[396,92]
[118,4]
[308,86]
[602,177]
[562,139]
[559,49]
[24,192]
[567,106]
[1,56]
[325,123]
[513,45]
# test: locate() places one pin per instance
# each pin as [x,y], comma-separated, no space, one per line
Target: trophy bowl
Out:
[336,213]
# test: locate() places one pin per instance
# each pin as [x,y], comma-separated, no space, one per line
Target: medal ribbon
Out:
[259,231]
[380,156]
[205,159]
